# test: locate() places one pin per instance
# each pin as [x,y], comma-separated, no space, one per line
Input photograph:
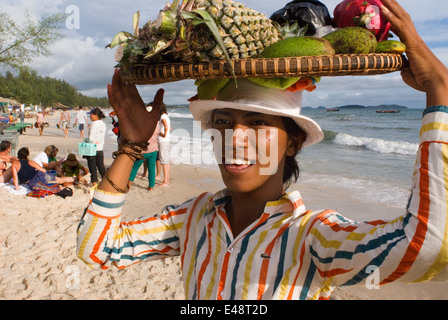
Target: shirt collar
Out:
[290,202]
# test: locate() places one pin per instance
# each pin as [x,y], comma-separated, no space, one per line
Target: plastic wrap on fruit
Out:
[362,13]
[311,13]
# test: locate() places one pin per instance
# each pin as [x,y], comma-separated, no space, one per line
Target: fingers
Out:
[400,20]
[157,104]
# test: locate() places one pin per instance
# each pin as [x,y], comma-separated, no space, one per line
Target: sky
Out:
[81,59]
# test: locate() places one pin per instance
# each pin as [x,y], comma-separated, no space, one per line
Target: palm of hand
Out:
[136,123]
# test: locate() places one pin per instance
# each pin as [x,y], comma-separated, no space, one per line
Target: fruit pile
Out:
[193,31]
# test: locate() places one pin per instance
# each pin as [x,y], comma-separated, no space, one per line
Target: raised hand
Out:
[136,123]
[426,72]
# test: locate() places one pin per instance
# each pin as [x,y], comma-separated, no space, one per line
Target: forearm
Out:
[118,173]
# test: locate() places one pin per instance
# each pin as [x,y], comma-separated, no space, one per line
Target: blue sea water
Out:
[363,151]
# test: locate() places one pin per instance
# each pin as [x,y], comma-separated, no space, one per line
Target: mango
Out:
[355,40]
[208,89]
[390,46]
[292,47]
[297,47]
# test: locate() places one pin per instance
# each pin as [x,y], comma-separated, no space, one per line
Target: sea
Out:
[364,152]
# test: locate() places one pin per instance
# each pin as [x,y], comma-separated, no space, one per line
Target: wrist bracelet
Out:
[134,156]
[135,146]
[116,187]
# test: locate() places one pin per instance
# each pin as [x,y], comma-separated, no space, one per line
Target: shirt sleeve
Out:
[104,240]
[411,248]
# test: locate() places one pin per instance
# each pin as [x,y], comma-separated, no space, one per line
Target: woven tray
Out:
[336,65]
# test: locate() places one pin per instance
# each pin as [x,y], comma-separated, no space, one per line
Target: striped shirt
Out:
[289,252]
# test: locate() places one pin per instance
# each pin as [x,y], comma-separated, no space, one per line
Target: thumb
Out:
[157,104]
[409,79]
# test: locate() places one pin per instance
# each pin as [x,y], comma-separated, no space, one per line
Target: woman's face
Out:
[250,149]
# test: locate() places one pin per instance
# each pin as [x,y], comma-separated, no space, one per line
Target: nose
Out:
[240,136]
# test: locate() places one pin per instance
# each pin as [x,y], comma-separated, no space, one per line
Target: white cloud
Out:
[78,61]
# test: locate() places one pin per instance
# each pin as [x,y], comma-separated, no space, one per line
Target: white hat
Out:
[249,96]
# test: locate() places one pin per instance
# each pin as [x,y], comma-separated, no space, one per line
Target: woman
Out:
[40,121]
[64,122]
[254,241]
[96,135]
[149,157]
[71,167]
[5,157]
[164,159]
[47,160]
[28,172]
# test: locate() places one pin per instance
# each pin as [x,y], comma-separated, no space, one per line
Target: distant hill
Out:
[30,88]
[358,106]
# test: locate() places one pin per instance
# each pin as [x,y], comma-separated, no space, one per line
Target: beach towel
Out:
[23,189]
[42,190]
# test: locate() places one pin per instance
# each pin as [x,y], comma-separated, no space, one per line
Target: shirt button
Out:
[230,250]
[221,294]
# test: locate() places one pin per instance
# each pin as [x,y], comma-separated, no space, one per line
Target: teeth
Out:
[238,162]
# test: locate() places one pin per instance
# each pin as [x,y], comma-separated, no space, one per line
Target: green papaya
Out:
[297,47]
[352,40]
[208,89]
[390,46]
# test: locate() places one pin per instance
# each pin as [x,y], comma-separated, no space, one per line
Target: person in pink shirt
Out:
[40,121]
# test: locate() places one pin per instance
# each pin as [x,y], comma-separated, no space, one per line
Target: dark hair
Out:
[98,113]
[298,135]
[5,145]
[23,153]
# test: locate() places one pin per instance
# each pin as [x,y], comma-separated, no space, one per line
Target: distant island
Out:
[358,106]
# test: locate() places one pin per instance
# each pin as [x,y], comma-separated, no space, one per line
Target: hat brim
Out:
[74,163]
[202,111]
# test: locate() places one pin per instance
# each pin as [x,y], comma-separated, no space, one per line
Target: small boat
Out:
[332,109]
[387,111]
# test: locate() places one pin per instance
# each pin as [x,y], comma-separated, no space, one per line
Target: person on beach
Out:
[47,160]
[5,156]
[149,157]
[97,135]
[253,240]
[81,121]
[163,160]
[71,167]
[28,172]
[40,118]
[64,122]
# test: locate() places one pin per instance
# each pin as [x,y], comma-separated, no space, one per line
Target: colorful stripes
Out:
[288,253]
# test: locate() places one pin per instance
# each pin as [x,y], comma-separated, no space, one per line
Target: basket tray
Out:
[318,66]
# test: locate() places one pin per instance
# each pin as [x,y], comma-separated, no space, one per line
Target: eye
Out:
[219,121]
[260,122]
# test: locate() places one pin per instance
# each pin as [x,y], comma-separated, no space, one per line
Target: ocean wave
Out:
[377,145]
[180,115]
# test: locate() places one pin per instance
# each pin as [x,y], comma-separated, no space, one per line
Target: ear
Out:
[295,142]
[292,147]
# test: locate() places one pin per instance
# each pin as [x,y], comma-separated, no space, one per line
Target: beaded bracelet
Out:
[134,156]
[116,187]
[135,146]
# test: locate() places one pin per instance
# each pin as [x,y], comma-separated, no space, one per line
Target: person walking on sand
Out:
[254,240]
[40,118]
[164,147]
[81,121]
[64,122]
[97,135]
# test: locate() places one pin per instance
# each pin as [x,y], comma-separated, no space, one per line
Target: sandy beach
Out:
[38,237]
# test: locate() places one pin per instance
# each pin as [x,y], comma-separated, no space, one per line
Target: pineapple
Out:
[198,30]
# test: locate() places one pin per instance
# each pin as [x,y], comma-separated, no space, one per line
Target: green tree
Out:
[19,44]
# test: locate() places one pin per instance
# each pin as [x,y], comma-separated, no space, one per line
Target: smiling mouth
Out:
[238,162]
